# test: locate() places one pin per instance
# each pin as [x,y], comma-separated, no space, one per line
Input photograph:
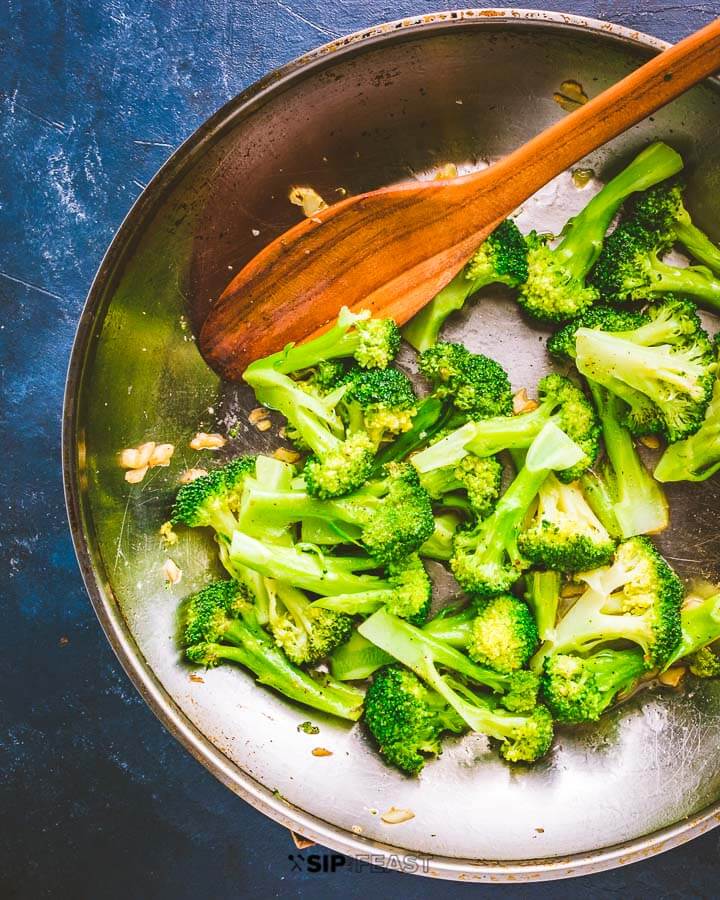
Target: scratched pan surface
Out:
[390,104]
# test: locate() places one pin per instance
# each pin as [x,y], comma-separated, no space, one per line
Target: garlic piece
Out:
[203,441]
[396,816]
[135,476]
[171,572]
[192,475]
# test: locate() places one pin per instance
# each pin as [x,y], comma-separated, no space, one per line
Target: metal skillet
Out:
[372,109]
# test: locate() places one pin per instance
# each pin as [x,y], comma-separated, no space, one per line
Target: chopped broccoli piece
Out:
[523,737]
[357,659]
[220,624]
[700,626]
[379,402]
[561,402]
[661,209]
[556,287]
[670,361]
[636,599]
[542,594]
[440,543]
[704,663]
[486,560]
[579,689]
[478,478]
[500,633]
[213,499]
[500,259]
[564,533]
[407,719]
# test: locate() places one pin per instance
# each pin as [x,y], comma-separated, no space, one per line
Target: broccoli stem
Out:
[697,457]
[698,244]
[455,630]
[357,658]
[250,579]
[254,649]
[431,416]
[601,501]
[440,544]
[583,238]
[640,506]
[423,330]
[321,575]
[700,623]
[543,598]
[692,281]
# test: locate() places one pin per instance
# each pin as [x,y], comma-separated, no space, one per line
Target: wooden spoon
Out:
[391,250]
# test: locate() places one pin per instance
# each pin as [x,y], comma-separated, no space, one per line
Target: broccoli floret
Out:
[486,560]
[357,659]
[500,633]
[564,533]
[670,361]
[440,543]
[636,599]
[630,268]
[662,209]
[213,499]
[501,259]
[579,689]
[542,594]
[697,457]
[476,386]
[407,592]
[561,402]
[305,633]
[556,287]
[407,719]
[478,478]
[430,418]
[379,402]
[704,663]
[220,624]
[700,626]
[392,514]
[523,737]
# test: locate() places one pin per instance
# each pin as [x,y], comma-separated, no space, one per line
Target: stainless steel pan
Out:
[376,107]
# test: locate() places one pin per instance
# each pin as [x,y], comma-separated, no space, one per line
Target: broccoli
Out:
[476,386]
[561,402]
[407,592]
[220,624]
[393,514]
[430,419]
[486,560]
[579,689]
[556,287]
[524,737]
[697,457]
[440,543]
[479,479]
[500,633]
[500,259]
[407,719]
[700,626]
[564,533]
[542,595]
[661,209]
[704,663]
[305,633]
[670,361]
[636,599]
[357,659]
[379,402]
[630,268]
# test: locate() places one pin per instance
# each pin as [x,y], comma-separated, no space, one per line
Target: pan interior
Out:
[373,116]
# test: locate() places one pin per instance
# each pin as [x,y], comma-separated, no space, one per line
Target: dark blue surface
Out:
[97,799]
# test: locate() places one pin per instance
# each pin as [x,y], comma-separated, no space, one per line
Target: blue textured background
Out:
[97,800]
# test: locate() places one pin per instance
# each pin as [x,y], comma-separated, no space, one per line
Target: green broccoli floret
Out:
[501,259]
[704,663]
[636,599]
[564,533]
[500,633]
[478,479]
[700,626]
[440,543]
[630,268]
[556,287]
[670,361]
[579,689]
[379,402]
[561,402]
[220,624]
[213,499]
[357,659]
[392,515]
[407,592]
[697,457]
[476,386]
[661,209]
[523,737]
[542,595]
[486,560]
[305,633]
[407,719]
